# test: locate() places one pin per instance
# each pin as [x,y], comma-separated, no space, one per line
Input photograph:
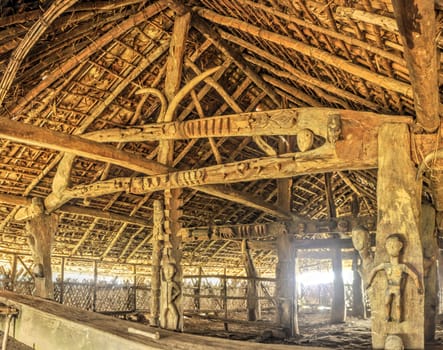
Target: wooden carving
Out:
[393,342]
[395,271]
[324,122]
[305,140]
[362,243]
[171,290]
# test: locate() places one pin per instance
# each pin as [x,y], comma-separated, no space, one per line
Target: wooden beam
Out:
[40,137]
[299,227]
[32,36]
[274,122]
[418,28]
[325,158]
[310,51]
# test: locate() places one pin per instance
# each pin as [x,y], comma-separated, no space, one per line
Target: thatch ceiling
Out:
[84,71]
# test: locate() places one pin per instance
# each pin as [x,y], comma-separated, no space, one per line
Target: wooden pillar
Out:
[171,306]
[440,278]
[338,307]
[62,280]
[134,288]
[398,200]
[13,272]
[430,256]
[41,230]
[197,290]
[158,233]
[358,303]
[94,287]
[251,273]
[225,299]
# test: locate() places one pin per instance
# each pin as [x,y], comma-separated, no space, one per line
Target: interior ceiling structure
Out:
[84,66]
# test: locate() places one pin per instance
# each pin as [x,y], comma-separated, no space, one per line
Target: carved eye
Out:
[305,140]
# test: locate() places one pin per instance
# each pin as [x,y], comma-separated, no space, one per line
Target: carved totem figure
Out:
[395,272]
[362,243]
[334,128]
[171,290]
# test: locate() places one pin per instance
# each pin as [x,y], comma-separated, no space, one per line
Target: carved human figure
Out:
[172,289]
[393,342]
[334,128]
[394,274]
[158,221]
[362,243]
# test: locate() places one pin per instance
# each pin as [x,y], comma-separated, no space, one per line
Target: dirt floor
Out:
[315,330]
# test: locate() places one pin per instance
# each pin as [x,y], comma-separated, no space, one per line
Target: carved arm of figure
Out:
[406,269]
[373,272]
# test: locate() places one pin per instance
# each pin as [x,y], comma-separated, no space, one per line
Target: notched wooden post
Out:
[41,229]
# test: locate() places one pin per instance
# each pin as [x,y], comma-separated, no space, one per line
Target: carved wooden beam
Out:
[274,122]
[35,136]
[298,227]
[418,29]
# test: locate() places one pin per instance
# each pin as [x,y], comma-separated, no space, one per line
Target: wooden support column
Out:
[134,288]
[158,233]
[338,307]
[285,270]
[396,295]
[41,230]
[94,286]
[62,280]
[440,277]
[358,303]
[251,273]
[171,305]
[197,290]
[430,256]
[13,273]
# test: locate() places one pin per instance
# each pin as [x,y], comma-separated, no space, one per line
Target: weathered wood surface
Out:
[274,122]
[158,237]
[252,291]
[41,229]
[398,198]
[430,271]
[417,24]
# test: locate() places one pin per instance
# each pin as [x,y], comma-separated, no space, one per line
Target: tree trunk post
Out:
[41,229]
[251,273]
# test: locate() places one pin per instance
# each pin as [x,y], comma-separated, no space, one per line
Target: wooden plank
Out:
[416,21]
[274,122]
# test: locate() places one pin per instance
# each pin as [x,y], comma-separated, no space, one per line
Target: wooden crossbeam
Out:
[40,137]
[275,122]
[298,227]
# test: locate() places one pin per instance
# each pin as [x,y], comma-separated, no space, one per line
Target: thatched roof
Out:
[75,67]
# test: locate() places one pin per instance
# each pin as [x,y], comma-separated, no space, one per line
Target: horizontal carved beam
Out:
[76,210]
[40,137]
[304,244]
[274,122]
[298,227]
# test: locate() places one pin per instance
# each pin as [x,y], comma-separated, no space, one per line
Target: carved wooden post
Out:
[251,273]
[440,276]
[430,256]
[398,199]
[158,233]
[171,307]
[358,304]
[41,229]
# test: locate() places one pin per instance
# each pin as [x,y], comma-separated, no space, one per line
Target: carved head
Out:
[334,128]
[394,244]
[169,271]
[393,342]
[360,238]
[37,271]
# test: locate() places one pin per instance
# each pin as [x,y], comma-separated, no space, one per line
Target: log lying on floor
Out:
[43,324]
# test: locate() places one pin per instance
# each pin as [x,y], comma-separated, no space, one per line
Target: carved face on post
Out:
[360,238]
[394,245]
[169,271]
[393,342]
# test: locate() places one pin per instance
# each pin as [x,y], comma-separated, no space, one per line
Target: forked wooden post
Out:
[41,230]
[398,199]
